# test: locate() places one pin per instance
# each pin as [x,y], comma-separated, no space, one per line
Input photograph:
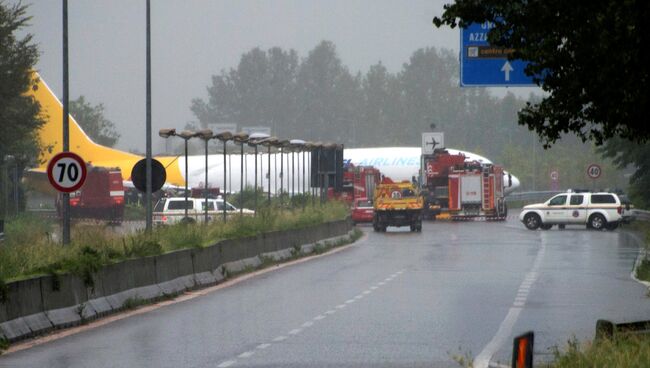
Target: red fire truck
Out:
[462,189]
[358,182]
[101,197]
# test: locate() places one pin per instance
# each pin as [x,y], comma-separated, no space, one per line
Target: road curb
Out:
[640,257]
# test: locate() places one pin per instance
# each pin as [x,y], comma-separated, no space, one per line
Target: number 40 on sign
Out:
[66,172]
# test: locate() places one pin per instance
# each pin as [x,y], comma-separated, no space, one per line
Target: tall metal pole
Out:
[269,174]
[66,126]
[241,181]
[206,181]
[255,199]
[148,175]
[186,179]
[293,175]
[281,175]
[304,193]
[224,181]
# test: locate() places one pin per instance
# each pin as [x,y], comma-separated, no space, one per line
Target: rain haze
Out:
[193,40]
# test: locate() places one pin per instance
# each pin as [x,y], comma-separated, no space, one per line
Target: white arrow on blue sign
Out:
[487,66]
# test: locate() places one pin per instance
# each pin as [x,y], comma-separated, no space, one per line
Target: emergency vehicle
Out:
[461,189]
[101,197]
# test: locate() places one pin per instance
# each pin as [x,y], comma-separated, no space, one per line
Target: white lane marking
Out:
[505,329]
[483,359]
[295,331]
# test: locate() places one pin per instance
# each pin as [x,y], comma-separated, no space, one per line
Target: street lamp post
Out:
[282,144]
[296,146]
[224,137]
[186,135]
[254,140]
[268,142]
[241,138]
[206,135]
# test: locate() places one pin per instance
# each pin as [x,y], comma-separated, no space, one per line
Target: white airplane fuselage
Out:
[286,170]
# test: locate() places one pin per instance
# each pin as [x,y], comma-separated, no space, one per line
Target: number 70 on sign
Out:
[66,172]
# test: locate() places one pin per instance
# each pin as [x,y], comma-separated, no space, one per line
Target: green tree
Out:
[93,122]
[636,156]
[19,114]
[587,55]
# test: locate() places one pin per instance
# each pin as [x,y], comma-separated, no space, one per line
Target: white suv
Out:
[595,210]
[172,210]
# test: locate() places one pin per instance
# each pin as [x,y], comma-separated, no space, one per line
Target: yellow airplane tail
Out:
[50,137]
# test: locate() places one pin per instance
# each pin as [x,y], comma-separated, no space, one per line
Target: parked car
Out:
[172,210]
[595,210]
[362,210]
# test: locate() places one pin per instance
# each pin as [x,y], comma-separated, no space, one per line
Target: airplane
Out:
[398,163]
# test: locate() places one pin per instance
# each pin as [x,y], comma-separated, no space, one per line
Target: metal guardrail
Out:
[539,196]
[641,215]
[607,330]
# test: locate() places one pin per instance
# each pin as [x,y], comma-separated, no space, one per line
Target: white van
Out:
[172,210]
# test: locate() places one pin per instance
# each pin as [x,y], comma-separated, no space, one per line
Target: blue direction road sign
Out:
[484,65]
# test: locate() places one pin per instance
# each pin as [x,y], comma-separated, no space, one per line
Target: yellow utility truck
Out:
[397,204]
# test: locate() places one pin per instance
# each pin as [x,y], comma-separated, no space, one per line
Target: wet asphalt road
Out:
[393,299]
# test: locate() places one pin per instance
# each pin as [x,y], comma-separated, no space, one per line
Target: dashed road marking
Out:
[296,331]
[505,329]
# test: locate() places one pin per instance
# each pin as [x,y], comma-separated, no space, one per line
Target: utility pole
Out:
[148,175]
[66,125]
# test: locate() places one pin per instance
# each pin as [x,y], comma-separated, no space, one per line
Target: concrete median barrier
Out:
[37,305]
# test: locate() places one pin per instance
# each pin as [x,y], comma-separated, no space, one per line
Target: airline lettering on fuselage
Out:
[384,161]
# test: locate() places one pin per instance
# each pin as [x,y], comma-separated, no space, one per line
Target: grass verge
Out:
[29,250]
[624,351]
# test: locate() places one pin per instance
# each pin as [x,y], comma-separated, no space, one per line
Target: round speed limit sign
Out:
[66,172]
[594,171]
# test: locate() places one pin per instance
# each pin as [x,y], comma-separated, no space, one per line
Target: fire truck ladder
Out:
[486,188]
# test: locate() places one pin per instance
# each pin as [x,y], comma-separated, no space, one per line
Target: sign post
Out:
[66,171]
[594,171]
[485,65]
[555,180]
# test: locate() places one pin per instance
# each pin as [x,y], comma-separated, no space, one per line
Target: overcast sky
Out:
[194,39]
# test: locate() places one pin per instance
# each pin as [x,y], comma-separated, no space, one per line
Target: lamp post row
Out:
[253,140]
